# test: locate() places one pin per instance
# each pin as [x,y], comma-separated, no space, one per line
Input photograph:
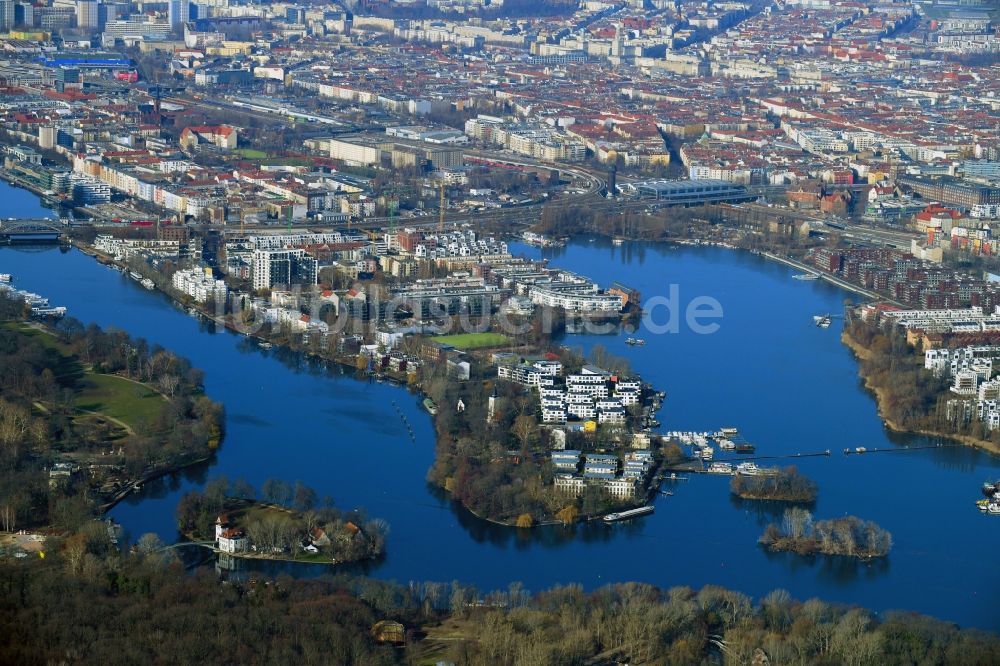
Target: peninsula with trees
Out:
[913,397]
[87,415]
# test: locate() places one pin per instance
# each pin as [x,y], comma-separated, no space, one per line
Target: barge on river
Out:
[627,515]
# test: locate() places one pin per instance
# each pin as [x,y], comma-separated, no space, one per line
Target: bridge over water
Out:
[33,230]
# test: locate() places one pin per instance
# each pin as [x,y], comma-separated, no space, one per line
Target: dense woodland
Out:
[786,485]
[91,605]
[40,374]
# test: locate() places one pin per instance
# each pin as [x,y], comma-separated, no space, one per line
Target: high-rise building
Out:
[271,267]
[88,15]
[178,13]
[54,18]
[24,14]
[6,14]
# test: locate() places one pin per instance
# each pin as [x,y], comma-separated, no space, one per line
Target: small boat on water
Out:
[720,468]
[993,508]
[982,504]
[430,406]
[990,488]
[617,241]
[135,276]
[6,277]
[748,469]
[631,513]
[823,321]
[805,276]
[745,448]
[265,345]
[147,283]
[635,341]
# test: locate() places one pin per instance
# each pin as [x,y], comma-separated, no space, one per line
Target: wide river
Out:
[789,386]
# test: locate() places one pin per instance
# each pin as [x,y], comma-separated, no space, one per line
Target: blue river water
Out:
[789,386]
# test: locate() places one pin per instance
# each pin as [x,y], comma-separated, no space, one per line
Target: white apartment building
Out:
[200,285]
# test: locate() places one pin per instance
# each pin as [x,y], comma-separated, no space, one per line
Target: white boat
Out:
[726,444]
[805,276]
[747,468]
[993,508]
[6,277]
[706,453]
[720,468]
[135,276]
[58,311]
[617,241]
[631,513]
[147,283]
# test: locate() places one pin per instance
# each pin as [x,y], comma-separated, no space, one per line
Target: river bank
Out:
[137,484]
[881,399]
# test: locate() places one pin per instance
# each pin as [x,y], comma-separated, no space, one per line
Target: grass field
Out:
[251,153]
[119,398]
[473,340]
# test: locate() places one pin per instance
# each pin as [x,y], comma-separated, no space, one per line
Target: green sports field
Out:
[473,340]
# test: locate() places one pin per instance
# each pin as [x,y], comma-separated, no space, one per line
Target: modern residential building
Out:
[283,267]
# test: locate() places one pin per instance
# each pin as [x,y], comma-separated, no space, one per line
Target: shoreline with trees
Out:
[908,397]
[87,415]
[143,607]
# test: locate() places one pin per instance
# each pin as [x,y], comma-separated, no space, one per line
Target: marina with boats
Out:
[39,305]
[991,503]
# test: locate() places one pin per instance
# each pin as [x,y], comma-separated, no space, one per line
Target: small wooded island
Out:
[849,536]
[785,485]
[286,523]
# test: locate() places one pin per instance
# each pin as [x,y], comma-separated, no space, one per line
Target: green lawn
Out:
[119,398]
[473,340]
[251,153]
